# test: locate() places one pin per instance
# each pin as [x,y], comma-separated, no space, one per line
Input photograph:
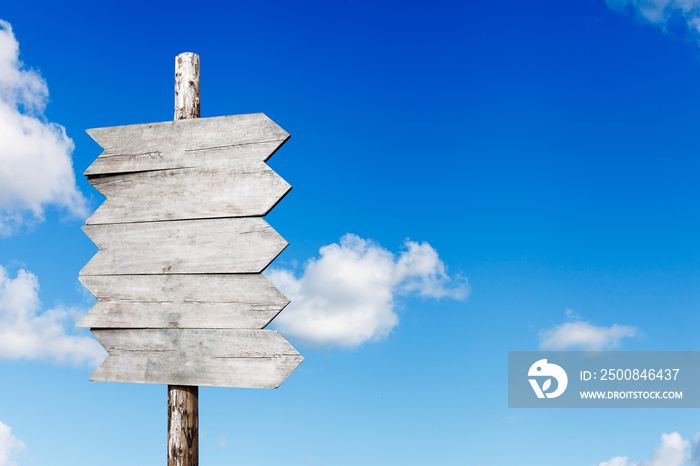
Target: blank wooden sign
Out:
[182,301]
[181,298]
[228,358]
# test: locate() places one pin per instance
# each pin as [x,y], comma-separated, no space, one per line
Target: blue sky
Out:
[516,175]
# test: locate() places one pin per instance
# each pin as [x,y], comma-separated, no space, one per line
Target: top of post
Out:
[187,86]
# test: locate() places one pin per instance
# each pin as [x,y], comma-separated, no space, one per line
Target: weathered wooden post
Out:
[181,299]
[183,401]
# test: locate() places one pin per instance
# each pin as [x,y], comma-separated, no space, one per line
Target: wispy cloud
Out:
[617,461]
[695,450]
[573,315]
[347,296]
[9,445]
[667,14]
[25,333]
[36,168]
[584,335]
[672,451]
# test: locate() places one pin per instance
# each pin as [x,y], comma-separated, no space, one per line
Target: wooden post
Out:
[183,401]
[186,86]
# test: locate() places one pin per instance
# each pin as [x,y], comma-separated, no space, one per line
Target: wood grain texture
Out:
[185,143]
[183,402]
[175,157]
[225,358]
[228,245]
[187,103]
[183,425]
[250,189]
[182,301]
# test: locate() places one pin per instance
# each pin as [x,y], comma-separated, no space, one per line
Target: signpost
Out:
[181,298]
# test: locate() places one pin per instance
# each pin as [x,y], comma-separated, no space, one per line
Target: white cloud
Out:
[617,461]
[346,296]
[36,169]
[27,334]
[9,445]
[663,13]
[672,451]
[584,336]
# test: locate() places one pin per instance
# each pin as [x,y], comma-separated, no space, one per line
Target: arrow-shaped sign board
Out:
[220,245]
[182,301]
[181,298]
[223,358]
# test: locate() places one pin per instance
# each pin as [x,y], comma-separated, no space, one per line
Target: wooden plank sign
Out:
[222,245]
[259,358]
[181,298]
[182,301]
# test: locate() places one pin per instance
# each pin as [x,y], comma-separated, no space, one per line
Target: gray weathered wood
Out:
[225,358]
[182,301]
[180,297]
[225,245]
[250,189]
[184,143]
[183,402]
[174,157]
